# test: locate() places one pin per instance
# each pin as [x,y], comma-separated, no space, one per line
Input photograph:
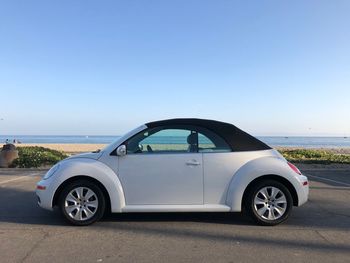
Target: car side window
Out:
[163,141]
[210,142]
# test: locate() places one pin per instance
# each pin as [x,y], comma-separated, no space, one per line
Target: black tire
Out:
[101,201]
[251,209]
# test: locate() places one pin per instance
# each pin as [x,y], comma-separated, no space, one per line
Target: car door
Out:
[162,167]
[219,163]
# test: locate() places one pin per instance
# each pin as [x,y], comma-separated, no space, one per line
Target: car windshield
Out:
[122,138]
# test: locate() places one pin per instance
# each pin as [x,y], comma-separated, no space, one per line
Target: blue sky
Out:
[103,67]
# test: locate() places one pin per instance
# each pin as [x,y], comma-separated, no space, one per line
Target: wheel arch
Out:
[263,168]
[82,177]
[103,175]
[273,177]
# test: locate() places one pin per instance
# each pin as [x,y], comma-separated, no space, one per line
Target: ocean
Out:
[275,141]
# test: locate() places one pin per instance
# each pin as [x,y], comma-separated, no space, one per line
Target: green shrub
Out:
[34,156]
[315,156]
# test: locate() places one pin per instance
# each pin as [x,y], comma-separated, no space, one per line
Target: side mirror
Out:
[121,150]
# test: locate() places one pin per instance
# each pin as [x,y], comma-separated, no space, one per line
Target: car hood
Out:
[91,155]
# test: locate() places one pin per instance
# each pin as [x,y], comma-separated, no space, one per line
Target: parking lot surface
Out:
[319,231]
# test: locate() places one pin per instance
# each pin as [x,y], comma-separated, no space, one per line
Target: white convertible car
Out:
[177,165]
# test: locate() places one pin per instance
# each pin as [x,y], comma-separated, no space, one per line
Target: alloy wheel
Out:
[270,203]
[81,203]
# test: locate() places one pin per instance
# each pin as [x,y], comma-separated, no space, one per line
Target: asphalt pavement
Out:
[319,231]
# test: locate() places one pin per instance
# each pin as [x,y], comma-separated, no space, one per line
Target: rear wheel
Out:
[82,203]
[269,203]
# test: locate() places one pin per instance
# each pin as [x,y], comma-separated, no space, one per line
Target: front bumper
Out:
[44,194]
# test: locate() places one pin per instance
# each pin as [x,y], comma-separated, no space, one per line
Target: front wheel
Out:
[82,203]
[269,203]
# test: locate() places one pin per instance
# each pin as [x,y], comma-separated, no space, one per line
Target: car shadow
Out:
[19,206]
[198,217]
[224,237]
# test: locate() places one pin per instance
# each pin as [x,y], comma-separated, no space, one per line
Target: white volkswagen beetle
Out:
[177,165]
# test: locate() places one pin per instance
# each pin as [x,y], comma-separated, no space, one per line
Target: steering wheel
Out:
[149,149]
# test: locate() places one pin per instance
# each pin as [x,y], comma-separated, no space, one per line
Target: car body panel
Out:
[219,168]
[176,208]
[162,179]
[268,165]
[83,167]
[92,155]
[221,189]
[158,182]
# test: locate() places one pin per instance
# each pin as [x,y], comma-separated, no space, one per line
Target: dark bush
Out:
[34,156]
[315,156]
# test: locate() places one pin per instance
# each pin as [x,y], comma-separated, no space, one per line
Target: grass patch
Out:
[34,156]
[315,156]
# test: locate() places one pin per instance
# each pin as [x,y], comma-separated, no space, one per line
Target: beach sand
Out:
[67,148]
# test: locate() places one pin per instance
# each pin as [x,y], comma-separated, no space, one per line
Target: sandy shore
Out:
[65,147]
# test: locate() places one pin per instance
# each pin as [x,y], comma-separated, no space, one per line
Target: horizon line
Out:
[107,135]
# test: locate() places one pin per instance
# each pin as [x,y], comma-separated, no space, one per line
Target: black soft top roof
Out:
[236,138]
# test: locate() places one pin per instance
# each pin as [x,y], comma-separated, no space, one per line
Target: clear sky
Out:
[103,67]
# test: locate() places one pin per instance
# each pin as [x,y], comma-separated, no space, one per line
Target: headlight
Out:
[51,171]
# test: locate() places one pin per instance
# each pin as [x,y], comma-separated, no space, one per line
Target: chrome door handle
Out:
[193,162]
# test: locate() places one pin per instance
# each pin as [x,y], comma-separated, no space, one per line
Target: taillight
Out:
[294,168]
